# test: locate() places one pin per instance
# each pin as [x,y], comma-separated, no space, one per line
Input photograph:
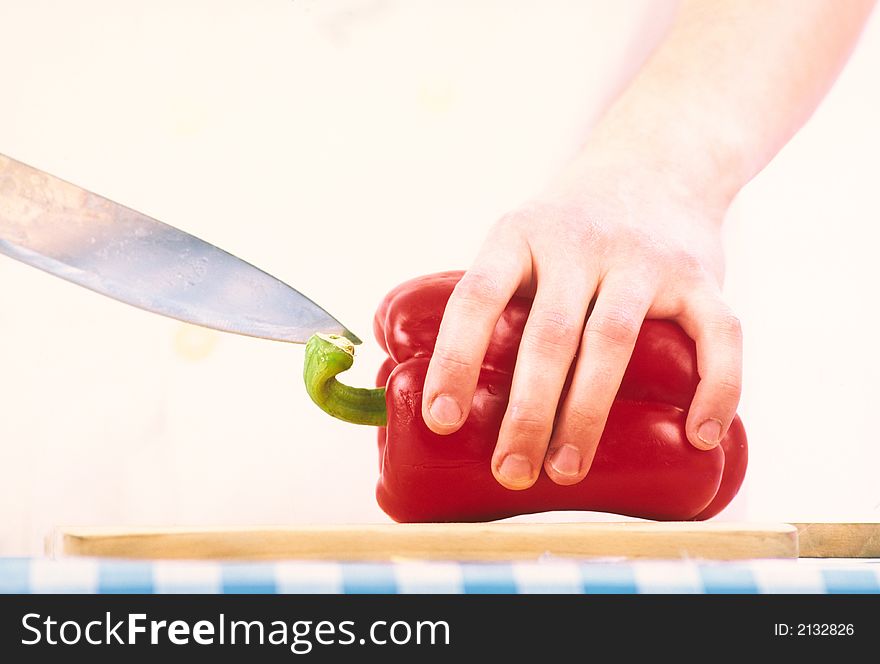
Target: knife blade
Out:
[79,236]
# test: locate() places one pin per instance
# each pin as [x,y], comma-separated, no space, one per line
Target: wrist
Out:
[675,160]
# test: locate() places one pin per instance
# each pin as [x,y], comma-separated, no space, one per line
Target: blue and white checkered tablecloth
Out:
[75,575]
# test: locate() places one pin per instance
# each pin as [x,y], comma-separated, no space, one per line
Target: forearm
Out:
[727,88]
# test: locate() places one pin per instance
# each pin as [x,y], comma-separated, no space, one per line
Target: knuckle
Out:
[584,232]
[553,330]
[729,387]
[725,327]
[687,263]
[476,289]
[529,419]
[615,327]
[451,361]
[730,326]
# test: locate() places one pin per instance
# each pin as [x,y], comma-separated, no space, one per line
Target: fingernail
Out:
[710,431]
[445,411]
[566,461]
[515,469]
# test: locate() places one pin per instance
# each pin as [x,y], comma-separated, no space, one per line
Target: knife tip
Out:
[352,337]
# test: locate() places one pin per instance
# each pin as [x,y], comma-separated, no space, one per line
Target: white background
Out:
[344,147]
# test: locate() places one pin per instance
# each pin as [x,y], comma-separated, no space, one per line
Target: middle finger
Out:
[549,342]
[608,341]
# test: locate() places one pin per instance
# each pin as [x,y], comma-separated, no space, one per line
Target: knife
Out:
[111,249]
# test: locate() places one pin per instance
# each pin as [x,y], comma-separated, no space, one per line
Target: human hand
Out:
[608,245]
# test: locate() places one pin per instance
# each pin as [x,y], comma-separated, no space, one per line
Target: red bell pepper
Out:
[644,465]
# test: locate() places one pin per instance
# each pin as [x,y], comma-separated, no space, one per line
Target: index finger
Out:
[468,322]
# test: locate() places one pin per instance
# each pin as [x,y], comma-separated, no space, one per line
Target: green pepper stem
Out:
[326,356]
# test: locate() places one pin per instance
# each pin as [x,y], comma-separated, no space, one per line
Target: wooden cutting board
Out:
[839,540]
[428,541]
